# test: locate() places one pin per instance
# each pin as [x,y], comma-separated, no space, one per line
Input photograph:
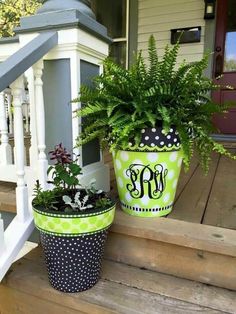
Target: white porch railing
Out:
[25,64]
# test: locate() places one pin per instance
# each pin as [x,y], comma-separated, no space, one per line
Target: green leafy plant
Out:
[122,102]
[67,194]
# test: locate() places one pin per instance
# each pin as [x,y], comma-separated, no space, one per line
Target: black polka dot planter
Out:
[73,246]
[147,174]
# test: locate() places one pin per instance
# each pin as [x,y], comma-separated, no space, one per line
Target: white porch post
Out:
[40,123]
[21,190]
[5,148]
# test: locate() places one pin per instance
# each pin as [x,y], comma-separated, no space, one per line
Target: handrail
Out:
[25,57]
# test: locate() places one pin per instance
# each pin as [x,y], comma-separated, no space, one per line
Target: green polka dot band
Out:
[147,181]
[73,225]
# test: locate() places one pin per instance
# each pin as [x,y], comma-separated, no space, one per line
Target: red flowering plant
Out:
[67,194]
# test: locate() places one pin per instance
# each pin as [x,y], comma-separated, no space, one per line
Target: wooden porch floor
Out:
[209,200]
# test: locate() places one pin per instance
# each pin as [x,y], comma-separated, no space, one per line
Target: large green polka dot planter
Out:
[147,175]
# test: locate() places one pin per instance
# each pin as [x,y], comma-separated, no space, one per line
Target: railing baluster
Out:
[2,244]
[33,150]
[21,189]
[10,116]
[40,122]
[5,148]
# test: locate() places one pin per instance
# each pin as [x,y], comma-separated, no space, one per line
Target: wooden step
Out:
[188,250]
[122,290]
[7,197]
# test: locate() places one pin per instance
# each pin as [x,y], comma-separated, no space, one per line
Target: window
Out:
[115,16]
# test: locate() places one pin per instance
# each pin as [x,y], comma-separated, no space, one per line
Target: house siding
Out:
[158,17]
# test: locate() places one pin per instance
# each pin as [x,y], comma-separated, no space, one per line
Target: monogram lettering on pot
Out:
[146,180]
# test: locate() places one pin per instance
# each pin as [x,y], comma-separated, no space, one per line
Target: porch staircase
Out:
[147,268]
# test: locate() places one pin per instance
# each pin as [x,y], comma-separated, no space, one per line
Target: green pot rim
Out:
[73,225]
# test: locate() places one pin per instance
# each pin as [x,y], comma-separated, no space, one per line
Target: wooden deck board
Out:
[123,289]
[7,197]
[221,207]
[185,177]
[191,203]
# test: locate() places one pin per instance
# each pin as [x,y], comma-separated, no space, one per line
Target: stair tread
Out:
[122,289]
[187,234]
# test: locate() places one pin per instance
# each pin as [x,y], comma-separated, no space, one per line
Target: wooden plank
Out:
[106,296]
[221,208]
[186,176]
[8,202]
[170,286]
[15,302]
[184,262]
[7,186]
[191,204]
[31,278]
[181,233]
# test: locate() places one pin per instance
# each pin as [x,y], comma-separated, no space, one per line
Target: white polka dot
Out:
[143,131]
[169,145]
[154,130]
[137,161]
[128,197]
[162,143]
[176,132]
[125,174]
[171,174]
[157,137]
[173,156]
[145,200]
[163,131]
[152,144]
[152,157]
[175,140]
[120,182]
[146,175]
[146,138]
[118,164]
[175,184]
[164,165]
[124,156]
[141,145]
[179,162]
[130,144]
[166,198]
[177,144]
[168,136]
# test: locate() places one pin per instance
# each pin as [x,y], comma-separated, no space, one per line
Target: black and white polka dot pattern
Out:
[156,137]
[73,263]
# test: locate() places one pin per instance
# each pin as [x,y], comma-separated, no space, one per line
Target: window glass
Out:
[230,38]
[111,14]
[118,53]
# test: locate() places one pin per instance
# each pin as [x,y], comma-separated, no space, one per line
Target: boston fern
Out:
[123,102]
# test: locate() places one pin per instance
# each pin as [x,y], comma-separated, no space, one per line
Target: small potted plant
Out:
[73,222]
[151,117]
